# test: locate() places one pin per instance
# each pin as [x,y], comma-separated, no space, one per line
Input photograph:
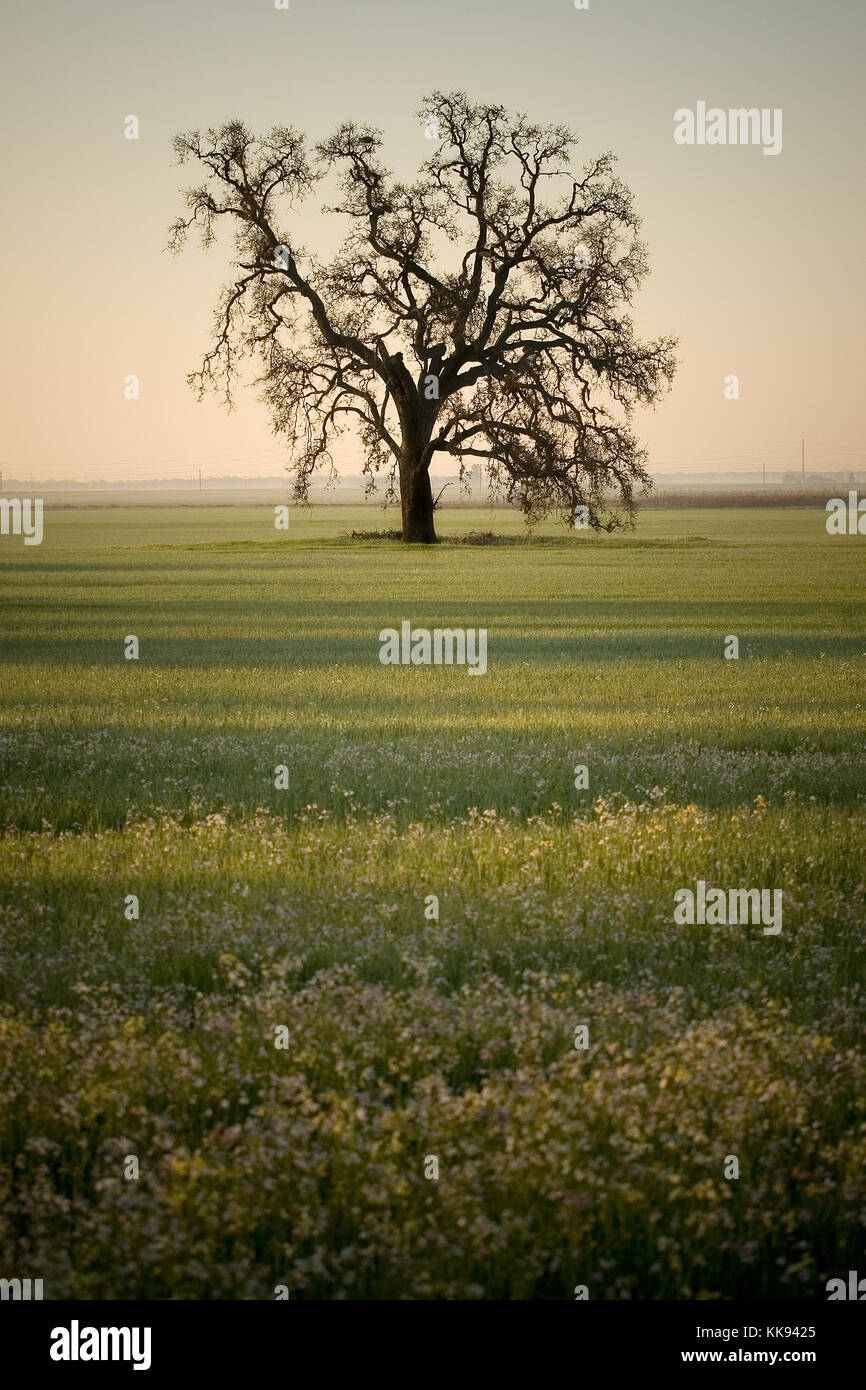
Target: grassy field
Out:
[298,916]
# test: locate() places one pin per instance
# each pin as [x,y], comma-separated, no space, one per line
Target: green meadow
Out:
[243,1088]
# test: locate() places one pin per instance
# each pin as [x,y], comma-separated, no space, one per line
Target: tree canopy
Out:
[481,311]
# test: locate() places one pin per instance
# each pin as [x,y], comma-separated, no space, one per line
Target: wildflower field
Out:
[299,911]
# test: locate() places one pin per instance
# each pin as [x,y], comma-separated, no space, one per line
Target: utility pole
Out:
[803,457]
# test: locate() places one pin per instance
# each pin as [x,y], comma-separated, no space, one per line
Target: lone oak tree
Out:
[521,353]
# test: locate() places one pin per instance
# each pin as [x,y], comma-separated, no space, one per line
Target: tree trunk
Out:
[416,499]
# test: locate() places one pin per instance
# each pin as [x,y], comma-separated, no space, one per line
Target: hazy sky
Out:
[757,261]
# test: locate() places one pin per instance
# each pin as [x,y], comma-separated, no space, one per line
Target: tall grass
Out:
[412,1032]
